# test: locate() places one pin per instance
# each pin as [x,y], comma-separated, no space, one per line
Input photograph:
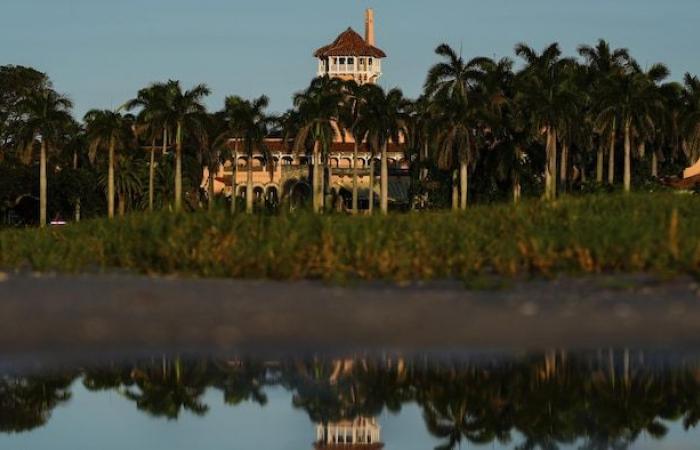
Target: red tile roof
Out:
[349,43]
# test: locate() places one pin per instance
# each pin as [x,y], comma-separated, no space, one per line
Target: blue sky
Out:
[100,52]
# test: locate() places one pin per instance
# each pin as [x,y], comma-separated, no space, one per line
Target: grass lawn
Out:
[657,233]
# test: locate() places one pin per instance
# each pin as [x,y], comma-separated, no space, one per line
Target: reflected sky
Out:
[555,400]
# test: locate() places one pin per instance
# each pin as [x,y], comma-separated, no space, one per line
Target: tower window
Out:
[351,60]
[370,61]
[342,60]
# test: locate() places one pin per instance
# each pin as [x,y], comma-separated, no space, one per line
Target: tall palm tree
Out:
[450,84]
[108,130]
[249,121]
[185,111]
[319,107]
[455,143]
[603,64]
[690,122]
[153,101]
[419,132]
[546,95]
[45,117]
[127,181]
[354,102]
[384,119]
[635,103]
[213,142]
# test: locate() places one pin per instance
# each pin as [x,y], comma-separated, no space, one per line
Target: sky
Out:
[100,52]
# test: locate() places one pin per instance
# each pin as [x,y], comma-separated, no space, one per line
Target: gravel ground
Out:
[86,316]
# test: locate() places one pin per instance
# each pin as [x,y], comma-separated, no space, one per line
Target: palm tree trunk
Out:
[384,181]
[110,180]
[42,185]
[563,176]
[249,185]
[77,200]
[371,185]
[211,189]
[317,190]
[611,155]
[551,165]
[424,159]
[234,178]
[152,175]
[455,190]
[354,178]
[327,184]
[599,164]
[463,182]
[628,158]
[516,189]
[122,204]
[178,168]
[654,164]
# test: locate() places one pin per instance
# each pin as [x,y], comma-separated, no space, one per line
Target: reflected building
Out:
[362,433]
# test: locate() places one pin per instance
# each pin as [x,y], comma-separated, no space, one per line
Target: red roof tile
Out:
[349,43]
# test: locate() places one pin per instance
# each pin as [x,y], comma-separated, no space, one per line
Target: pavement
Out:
[68,317]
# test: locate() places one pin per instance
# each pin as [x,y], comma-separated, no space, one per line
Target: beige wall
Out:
[341,169]
[692,171]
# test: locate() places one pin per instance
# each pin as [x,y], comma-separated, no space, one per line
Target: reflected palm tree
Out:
[604,400]
[26,403]
[166,389]
[241,382]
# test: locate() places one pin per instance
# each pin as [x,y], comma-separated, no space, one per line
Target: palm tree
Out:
[450,85]
[690,123]
[213,141]
[354,102]
[153,102]
[318,106]
[419,126]
[45,117]
[185,111]
[110,130]
[546,95]
[127,181]
[604,64]
[248,120]
[455,144]
[635,103]
[384,120]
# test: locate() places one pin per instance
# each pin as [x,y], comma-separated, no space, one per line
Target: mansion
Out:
[287,177]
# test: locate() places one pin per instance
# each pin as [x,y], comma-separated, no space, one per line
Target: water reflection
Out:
[596,400]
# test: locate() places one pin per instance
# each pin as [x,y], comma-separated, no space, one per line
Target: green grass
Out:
[657,233]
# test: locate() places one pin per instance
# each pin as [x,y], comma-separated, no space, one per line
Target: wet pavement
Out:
[69,316]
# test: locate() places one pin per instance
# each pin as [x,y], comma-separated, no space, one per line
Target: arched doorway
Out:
[300,196]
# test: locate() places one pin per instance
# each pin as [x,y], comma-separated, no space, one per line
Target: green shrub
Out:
[608,233]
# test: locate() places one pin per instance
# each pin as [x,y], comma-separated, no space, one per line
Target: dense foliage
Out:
[628,233]
[483,130]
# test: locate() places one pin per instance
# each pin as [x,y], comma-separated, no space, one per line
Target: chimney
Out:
[369,26]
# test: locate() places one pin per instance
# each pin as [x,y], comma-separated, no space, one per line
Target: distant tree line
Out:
[481,131]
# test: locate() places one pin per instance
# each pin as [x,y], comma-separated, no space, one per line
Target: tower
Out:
[361,433]
[352,57]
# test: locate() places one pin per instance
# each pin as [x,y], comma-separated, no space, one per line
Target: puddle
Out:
[600,399]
